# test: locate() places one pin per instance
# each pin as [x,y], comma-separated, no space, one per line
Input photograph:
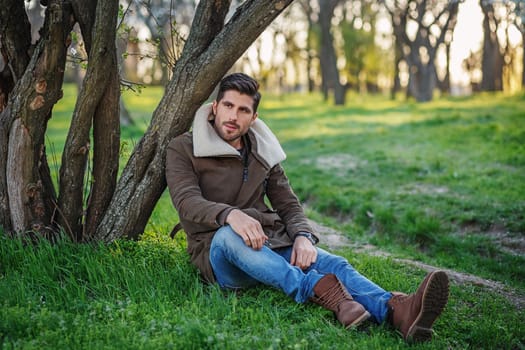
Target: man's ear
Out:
[214,107]
[255,115]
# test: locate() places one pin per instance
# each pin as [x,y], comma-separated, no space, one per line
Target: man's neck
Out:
[238,143]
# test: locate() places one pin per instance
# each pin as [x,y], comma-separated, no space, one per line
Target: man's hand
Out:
[304,253]
[248,228]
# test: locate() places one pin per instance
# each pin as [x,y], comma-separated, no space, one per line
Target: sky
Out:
[468,35]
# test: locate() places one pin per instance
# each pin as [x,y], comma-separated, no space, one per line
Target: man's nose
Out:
[233,114]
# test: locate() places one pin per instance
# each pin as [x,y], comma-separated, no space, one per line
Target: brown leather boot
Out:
[332,295]
[414,314]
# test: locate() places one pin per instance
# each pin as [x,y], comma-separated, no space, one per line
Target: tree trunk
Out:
[29,187]
[106,136]
[125,116]
[492,59]
[422,82]
[398,17]
[422,70]
[309,56]
[210,51]
[398,58]
[97,95]
[84,12]
[444,84]
[329,71]
[523,56]
[15,33]
[308,12]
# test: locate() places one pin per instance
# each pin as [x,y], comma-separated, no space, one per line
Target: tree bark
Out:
[445,83]
[329,70]
[399,18]
[492,58]
[31,195]
[522,30]
[398,58]
[93,97]
[422,71]
[15,31]
[210,51]
[422,81]
[106,136]
[85,12]
[308,13]
[15,35]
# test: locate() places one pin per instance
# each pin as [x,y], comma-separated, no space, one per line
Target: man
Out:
[219,176]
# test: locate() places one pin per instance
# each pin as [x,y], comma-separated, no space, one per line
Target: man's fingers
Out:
[254,239]
[247,240]
[248,228]
[303,257]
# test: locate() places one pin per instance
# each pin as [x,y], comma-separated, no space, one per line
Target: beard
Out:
[229,132]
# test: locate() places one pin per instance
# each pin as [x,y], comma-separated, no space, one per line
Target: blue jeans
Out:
[236,265]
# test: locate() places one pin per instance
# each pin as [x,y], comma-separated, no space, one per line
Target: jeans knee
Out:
[224,237]
[332,260]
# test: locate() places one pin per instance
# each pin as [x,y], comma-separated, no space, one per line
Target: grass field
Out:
[442,183]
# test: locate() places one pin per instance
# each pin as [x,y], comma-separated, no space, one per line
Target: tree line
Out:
[337,45]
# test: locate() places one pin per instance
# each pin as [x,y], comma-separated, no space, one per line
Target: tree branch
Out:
[15,34]
[102,63]
[84,12]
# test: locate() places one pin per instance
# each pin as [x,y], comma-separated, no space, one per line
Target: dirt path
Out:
[335,240]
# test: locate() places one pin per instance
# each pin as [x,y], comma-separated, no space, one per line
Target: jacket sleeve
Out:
[183,185]
[286,203]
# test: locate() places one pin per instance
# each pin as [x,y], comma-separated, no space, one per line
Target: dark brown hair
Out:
[241,83]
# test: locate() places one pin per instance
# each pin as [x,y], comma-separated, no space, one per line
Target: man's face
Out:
[233,116]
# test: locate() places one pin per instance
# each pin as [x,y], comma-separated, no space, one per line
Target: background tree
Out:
[472,65]
[276,58]
[165,20]
[492,57]
[109,209]
[291,25]
[361,54]
[312,39]
[328,58]
[432,21]
[399,23]
[519,22]
[294,62]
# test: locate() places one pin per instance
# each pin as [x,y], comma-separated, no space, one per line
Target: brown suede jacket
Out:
[207,179]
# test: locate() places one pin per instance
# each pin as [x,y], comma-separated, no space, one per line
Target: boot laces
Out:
[400,298]
[333,296]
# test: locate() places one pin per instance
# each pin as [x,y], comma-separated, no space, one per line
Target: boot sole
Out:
[435,297]
[358,321]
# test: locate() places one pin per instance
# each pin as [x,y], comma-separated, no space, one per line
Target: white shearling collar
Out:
[207,143]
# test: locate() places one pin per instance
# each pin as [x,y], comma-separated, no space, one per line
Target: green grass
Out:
[441,182]
[146,295]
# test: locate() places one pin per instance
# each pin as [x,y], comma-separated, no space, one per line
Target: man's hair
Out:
[242,83]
